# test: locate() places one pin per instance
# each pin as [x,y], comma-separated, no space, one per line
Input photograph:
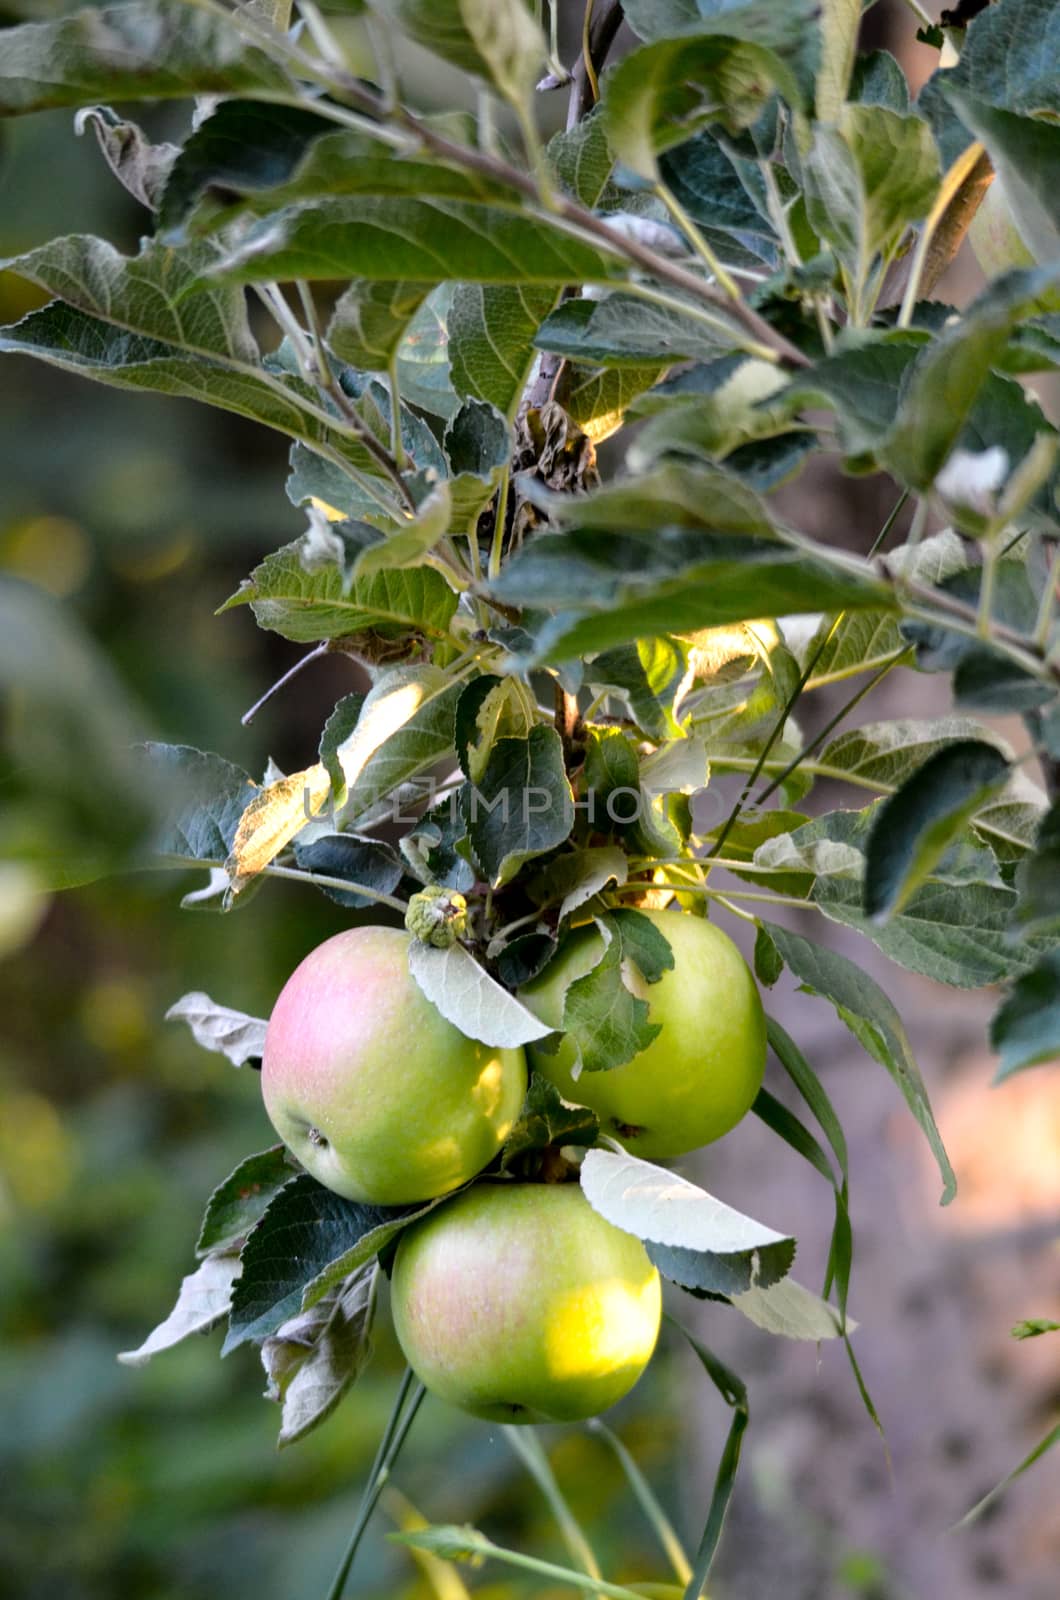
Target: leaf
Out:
[309,606]
[470,999]
[610,589]
[939,395]
[491,340]
[690,1236]
[547,1119]
[496,39]
[605,1012]
[308,1240]
[241,1200]
[1025,1029]
[208,797]
[490,709]
[406,724]
[840,21]
[720,192]
[219,1028]
[581,159]
[370,320]
[578,877]
[366,863]
[202,1303]
[726,70]
[314,1358]
[734,1393]
[411,542]
[337,729]
[478,446]
[624,331]
[242,144]
[452,1543]
[522,807]
[128,52]
[862,1005]
[866,178]
[418,238]
[915,826]
[884,755]
[272,819]
[791,1311]
[139,166]
[1051,1438]
[1034,1327]
[423,356]
[648,673]
[1038,881]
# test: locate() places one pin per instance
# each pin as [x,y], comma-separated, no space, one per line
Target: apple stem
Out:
[399,1422]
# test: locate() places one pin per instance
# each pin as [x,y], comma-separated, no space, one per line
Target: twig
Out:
[600,25]
[282,682]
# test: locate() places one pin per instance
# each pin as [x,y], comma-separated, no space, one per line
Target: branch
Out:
[604,21]
[356,94]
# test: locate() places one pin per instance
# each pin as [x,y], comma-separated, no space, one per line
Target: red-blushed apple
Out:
[519,1303]
[378,1096]
[701,1072]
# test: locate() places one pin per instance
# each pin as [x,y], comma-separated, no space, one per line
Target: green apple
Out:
[378,1096]
[519,1303]
[701,1072]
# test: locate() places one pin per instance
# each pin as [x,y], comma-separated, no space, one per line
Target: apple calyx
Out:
[437,916]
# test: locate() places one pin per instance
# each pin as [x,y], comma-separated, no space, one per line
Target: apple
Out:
[378,1096]
[519,1303]
[701,1072]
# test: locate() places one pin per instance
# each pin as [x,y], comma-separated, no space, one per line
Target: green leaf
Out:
[1051,1438]
[307,1240]
[423,356]
[452,1543]
[546,1119]
[648,674]
[692,1237]
[219,1028]
[726,70]
[581,159]
[367,863]
[940,393]
[612,588]
[1025,1030]
[840,22]
[1034,1327]
[470,999]
[406,725]
[1008,58]
[336,731]
[309,606]
[491,340]
[522,807]
[241,1200]
[495,39]
[152,51]
[314,1358]
[915,826]
[370,320]
[202,1303]
[866,178]
[241,145]
[139,166]
[606,1012]
[392,240]
[721,192]
[673,494]
[478,446]
[625,331]
[490,709]
[208,797]
[578,877]
[1038,880]
[734,1393]
[862,1005]
[790,1311]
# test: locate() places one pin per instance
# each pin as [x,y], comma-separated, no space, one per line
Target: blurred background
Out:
[140,515]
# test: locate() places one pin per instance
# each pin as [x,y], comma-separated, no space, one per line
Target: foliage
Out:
[739,244]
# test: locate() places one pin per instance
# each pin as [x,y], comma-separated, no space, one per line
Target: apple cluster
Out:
[514,1300]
